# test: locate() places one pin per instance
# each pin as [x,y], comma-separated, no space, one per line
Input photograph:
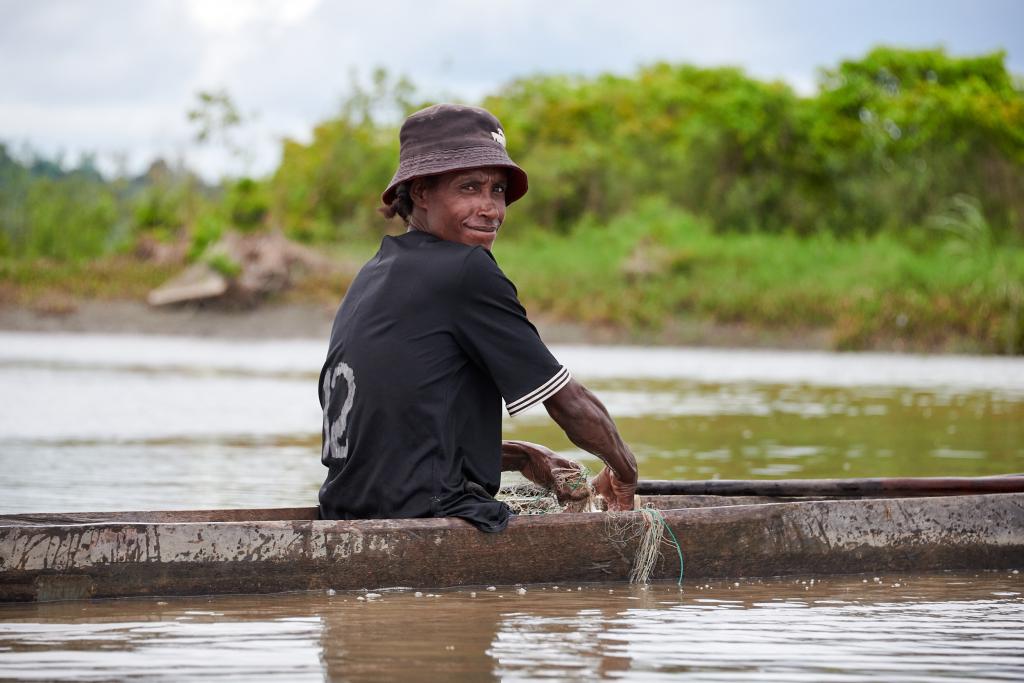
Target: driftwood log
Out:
[241,269]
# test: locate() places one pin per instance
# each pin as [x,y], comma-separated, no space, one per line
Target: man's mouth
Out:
[483,228]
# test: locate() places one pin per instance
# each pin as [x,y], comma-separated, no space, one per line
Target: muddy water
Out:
[887,628]
[95,422]
[121,422]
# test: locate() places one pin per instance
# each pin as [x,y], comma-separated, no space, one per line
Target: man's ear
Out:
[418,192]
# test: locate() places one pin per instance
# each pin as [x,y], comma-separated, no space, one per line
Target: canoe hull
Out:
[41,560]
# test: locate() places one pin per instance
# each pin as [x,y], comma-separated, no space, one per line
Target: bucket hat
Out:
[453,137]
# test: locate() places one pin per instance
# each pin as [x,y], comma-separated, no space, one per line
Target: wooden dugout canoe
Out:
[97,555]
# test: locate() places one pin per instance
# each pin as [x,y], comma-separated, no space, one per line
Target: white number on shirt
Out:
[335,441]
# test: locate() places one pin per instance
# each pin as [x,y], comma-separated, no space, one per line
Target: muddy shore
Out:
[313,321]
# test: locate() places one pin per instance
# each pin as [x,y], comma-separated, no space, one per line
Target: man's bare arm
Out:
[587,423]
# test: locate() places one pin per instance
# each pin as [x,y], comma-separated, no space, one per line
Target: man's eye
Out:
[469,186]
[500,189]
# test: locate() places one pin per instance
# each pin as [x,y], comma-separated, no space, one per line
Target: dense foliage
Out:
[47,211]
[654,267]
[896,142]
[887,203]
[890,142]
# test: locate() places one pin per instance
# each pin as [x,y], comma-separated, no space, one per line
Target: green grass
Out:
[45,284]
[651,268]
[657,264]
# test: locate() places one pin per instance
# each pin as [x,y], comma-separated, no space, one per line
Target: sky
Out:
[116,77]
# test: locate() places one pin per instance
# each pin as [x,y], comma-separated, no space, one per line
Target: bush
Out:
[68,219]
[223,264]
[47,212]
[330,189]
[207,231]
[886,143]
[157,210]
[657,264]
[247,204]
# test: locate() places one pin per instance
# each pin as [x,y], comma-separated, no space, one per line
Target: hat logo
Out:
[499,137]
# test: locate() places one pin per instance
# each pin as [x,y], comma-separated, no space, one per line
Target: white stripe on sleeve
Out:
[541,393]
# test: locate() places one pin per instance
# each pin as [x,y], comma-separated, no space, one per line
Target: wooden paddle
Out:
[894,486]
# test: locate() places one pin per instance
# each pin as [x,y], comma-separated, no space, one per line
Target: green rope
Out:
[675,540]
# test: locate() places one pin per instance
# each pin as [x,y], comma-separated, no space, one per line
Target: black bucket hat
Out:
[453,137]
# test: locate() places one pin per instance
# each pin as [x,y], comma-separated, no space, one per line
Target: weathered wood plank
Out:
[124,558]
[888,486]
[310,513]
[160,516]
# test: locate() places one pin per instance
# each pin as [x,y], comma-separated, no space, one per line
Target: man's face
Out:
[464,206]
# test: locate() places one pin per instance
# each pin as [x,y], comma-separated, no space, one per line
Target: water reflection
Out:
[114,422]
[892,628]
[104,422]
[164,475]
[446,636]
[742,431]
[153,640]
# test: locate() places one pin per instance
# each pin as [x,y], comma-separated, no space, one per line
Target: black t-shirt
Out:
[428,340]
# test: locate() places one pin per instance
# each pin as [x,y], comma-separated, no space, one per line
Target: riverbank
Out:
[312,320]
[661,272]
[654,276]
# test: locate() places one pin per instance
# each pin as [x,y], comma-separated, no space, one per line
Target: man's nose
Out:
[488,206]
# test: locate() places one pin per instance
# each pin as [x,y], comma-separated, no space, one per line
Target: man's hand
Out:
[546,468]
[616,493]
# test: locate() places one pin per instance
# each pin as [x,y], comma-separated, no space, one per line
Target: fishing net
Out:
[645,531]
[527,498]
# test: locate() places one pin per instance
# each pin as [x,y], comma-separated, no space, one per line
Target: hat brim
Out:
[459,160]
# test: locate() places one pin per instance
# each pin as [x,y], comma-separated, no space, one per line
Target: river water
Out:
[102,422]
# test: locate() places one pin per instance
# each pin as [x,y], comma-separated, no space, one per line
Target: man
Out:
[431,336]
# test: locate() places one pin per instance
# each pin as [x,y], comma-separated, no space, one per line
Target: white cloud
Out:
[227,16]
[119,75]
